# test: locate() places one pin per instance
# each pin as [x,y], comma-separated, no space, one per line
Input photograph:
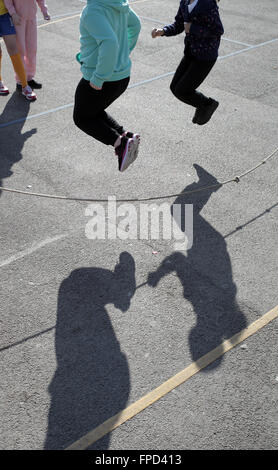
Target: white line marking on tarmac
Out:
[75,14]
[165,22]
[53,110]
[33,248]
[248,48]
[59,108]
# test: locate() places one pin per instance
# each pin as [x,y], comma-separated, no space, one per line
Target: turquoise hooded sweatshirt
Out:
[109,30]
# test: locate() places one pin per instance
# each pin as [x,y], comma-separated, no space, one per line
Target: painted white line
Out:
[146,18]
[236,42]
[256,46]
[231,54]
[149,80]
[33,248]
[75,14]
[33,116]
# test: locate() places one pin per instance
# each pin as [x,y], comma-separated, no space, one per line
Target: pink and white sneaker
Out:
[125,153]
[3,89]
[29,93]
[136,141]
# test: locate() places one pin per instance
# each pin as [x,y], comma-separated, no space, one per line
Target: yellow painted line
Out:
[178,379]
[59,21]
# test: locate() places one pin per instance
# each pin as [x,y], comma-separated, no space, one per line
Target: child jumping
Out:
[24,14]
[203,27]
[7,31]
[109,30]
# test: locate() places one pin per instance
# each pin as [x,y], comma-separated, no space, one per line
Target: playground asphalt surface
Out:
[83,334]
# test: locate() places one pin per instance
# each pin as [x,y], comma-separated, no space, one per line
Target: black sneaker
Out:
[203,114]
[125,152]
[34,85]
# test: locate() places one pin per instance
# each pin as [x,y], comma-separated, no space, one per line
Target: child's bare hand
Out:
[16,19]
[95,87]
[157,32]
[187,27]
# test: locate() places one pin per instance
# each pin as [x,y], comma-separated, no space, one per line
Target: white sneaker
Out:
[136,141]
[3,89]
[125,153]
[29,94]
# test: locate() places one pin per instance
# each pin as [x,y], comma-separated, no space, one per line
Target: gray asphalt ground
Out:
[81,337]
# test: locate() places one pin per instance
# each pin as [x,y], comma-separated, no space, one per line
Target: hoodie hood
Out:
[120,5]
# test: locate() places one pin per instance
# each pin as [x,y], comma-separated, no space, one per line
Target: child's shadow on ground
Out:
[205,273]
[91,383]
[12,139]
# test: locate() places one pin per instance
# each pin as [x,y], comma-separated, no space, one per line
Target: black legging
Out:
[89,114]
[189,75]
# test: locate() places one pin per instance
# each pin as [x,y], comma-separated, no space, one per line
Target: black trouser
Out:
[189,75]
[89,106]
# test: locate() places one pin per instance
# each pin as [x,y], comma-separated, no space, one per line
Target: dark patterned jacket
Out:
[205,31]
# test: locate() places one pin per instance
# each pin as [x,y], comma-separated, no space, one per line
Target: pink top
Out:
[26,9]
